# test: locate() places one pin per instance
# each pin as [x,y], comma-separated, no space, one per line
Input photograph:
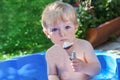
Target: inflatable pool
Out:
[33,67]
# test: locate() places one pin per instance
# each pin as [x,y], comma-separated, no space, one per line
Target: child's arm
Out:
[53,77]
[91,65]
[52,72]
[90,69]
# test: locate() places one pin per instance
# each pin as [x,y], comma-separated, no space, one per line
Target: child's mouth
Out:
[67,44]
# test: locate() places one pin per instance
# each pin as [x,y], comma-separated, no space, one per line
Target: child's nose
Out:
[62,33]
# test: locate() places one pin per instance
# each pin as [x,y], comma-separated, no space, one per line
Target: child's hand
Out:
[77,65]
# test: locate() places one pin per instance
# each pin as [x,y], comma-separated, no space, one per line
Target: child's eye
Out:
[54,29]
[67,27]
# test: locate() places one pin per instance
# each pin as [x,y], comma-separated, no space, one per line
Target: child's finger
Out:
[75,61]
[74,64]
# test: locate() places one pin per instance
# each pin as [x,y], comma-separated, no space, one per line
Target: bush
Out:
[92,13]
[20,27]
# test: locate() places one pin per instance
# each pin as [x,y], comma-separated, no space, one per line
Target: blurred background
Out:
[20,23]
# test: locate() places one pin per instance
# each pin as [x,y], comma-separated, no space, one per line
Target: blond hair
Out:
[56,12]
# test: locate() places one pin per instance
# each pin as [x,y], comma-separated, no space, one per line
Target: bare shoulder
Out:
[84,43]
[85,46]
[51,49]
[88,50]
[53,52]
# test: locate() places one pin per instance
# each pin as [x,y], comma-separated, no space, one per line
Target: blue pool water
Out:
[33,67]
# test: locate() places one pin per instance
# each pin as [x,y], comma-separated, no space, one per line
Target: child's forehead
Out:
[60,23]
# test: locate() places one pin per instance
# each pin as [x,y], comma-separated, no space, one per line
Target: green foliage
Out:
[69,1]
[20,27]
[21,31]
[92,13]
[86,19]
[107,9]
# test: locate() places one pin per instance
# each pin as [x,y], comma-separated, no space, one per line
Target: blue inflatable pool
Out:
[33,67]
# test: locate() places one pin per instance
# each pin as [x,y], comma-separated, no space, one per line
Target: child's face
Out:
[64,31]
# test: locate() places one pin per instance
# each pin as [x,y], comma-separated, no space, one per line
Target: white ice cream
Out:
[67,44]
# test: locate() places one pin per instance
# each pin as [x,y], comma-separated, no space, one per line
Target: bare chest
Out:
[65,70]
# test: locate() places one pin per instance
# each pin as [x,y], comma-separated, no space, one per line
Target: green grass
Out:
[20,28]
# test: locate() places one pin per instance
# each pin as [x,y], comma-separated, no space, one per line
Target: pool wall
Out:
[33,67]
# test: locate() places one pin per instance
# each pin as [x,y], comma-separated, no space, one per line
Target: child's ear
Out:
[46,33]
[76,27]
